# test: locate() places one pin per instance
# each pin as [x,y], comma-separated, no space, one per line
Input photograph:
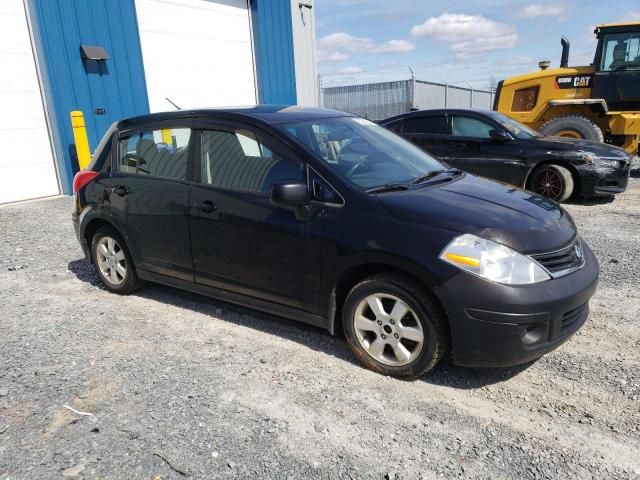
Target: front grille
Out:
[563,261]
[574,317]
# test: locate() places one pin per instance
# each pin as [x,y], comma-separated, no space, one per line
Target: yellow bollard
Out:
[166,136]
[80,137]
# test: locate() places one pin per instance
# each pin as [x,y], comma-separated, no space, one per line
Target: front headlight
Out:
[587,157]
[605,162]
[493,261]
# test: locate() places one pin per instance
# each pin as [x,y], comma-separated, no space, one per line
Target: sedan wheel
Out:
[552,181]
[388,329]
[549,184]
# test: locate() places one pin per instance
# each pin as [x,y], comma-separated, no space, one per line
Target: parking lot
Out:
[179,385]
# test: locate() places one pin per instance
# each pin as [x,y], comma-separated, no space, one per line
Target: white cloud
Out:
[536,10]
[342,40]
[631,16]
[469,35]
[327,56]
[395,46]
[333,47]
[350,70]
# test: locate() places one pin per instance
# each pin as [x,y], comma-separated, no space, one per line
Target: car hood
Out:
[562,144]
[521,220]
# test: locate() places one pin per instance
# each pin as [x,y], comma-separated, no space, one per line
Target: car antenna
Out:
[177,107]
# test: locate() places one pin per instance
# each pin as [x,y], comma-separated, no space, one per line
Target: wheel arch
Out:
[562,163]
[592,105]
[92,226]
[354,274]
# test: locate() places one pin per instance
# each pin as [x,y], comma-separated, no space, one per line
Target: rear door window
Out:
[432,125]
[158,153]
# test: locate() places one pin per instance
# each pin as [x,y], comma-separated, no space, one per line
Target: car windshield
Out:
[514,127]
[362,152]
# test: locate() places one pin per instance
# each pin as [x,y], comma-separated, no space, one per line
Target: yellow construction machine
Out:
[597,102]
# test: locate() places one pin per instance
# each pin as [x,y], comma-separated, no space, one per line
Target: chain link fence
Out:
[377,101]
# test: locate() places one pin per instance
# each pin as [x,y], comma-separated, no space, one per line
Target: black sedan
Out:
[495,146]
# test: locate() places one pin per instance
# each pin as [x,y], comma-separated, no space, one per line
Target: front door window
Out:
[239,160]
[471,127]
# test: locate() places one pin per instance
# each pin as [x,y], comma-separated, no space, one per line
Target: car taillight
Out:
[82,178]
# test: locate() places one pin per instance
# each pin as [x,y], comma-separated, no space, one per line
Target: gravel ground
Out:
[183,386]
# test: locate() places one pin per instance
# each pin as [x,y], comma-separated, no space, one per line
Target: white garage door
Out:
[26,162]
[198,53]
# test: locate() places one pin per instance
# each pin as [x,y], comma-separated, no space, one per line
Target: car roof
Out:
[437,111]
[266,113]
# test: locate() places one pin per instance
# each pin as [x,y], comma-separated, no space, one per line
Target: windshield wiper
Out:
[389,187]
[434,173]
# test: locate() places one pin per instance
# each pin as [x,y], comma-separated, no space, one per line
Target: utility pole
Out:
[413,88]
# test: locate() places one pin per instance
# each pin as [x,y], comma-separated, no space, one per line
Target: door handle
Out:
[207,206]
[120,190]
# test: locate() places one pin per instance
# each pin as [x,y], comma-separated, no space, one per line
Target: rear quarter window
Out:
[433,125]
[158,153]
[395,126]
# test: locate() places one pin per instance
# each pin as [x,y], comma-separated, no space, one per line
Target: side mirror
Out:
[290,194]
[499,135]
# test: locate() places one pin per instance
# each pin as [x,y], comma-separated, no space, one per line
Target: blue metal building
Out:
[112,59]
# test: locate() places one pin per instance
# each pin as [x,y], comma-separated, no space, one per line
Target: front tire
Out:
[395,326]
[552,181]
[113,262]
[573,126]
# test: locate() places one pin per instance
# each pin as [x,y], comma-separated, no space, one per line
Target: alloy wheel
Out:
[549,184]
[388,329]
[111,260]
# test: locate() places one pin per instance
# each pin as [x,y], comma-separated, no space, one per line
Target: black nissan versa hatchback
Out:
[330,219]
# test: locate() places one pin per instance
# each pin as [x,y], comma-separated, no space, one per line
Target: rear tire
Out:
[573,126]
[552,181]
[404,334]
[113,262]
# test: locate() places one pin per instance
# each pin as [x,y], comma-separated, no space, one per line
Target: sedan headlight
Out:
[606,162]
[492,261]
[593,159]
[587,157]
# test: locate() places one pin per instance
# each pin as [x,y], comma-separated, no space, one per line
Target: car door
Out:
[430,132]
[241,241]
[148,196]
[475,151]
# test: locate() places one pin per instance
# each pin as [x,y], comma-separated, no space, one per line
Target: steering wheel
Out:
[353,169]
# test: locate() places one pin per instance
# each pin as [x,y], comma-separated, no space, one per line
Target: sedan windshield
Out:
[514,127]
[362,152]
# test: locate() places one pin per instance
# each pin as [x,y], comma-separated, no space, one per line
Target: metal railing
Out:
[377,101]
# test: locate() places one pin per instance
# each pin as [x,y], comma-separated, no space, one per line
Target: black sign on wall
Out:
[574,81]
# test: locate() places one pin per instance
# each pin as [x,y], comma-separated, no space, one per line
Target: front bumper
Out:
[495,325]
[604,181]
